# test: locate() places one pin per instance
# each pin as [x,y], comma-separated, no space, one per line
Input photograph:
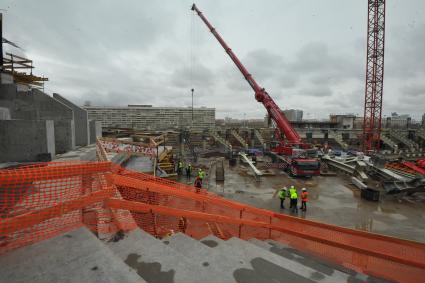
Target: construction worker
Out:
[304,199]
[180,167]
[282,196]
[188,171]
[290,191]
[294,200]
[201,174]
[198,184]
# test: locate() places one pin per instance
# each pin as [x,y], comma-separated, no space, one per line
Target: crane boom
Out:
[261,95]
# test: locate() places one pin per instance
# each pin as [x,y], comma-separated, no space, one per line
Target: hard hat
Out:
[292,187]
[304,189]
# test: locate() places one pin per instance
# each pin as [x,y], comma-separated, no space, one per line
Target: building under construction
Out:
[169,194]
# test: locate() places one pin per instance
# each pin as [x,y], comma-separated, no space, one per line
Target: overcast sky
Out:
[308,54]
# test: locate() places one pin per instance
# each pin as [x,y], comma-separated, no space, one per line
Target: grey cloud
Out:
[288,81]
[405,59]
[316,91]
[198,75]
[136,51]
[264,64]
[413,90]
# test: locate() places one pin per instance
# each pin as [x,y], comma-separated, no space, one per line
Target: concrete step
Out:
[229,263]
[76,256]
[203,256]
[311,261]
[389,142]
[259,137]
[156,262]
[221,140]
[239,138]
[276,268]
[338,139]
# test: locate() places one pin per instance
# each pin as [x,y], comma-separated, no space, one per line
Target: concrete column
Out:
[95,130]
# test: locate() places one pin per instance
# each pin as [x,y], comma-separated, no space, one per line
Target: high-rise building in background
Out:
[423,120]
[293,115]
[397,121]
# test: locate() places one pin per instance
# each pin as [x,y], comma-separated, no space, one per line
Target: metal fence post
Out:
[240,225]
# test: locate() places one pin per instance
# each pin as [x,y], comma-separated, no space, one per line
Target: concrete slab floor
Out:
[332,200]
[87,153]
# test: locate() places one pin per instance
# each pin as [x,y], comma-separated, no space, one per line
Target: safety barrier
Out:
[115,145]
[40,201]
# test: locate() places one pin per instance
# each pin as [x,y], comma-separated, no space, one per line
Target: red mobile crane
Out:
[293,150]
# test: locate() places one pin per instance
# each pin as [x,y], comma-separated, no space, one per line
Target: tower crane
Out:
[292,149]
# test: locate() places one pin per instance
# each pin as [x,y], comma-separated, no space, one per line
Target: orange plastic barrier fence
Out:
[46,199]
[43,200]
[177,207]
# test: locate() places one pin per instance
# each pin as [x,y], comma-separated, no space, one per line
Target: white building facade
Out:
[146,117]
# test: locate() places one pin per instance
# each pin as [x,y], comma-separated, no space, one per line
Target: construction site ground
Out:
[332,199]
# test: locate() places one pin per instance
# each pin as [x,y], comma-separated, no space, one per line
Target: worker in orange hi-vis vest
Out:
[304,199]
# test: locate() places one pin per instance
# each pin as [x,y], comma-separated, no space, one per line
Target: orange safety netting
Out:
[43,200]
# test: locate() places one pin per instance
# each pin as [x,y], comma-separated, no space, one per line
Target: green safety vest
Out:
[282,194]
[294,195]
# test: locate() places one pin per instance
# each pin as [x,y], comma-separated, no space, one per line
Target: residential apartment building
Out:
[147,117]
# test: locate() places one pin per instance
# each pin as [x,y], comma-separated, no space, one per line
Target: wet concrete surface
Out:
[139,163]
[149,271]
[332,200]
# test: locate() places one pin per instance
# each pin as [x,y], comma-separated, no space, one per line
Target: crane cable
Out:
[191,55]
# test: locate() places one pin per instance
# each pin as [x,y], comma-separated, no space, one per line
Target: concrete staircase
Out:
[78,256]
[236,135]
[401,137]
[386,140]
[191,148]
[260,138]
[338,139]
[421,133]
[222,141]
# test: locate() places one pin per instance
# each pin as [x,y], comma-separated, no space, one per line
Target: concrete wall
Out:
[64,135]
[6,78]
[23,141]
[7,96]
[36,105]
[95,130]
[82,132]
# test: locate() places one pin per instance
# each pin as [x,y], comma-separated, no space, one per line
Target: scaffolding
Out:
[21,70]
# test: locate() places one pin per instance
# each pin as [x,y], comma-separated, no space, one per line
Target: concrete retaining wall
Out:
[82,132]
[26,140]
[36,105]
[95,130]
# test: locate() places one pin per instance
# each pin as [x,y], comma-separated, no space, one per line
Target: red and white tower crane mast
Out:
[374,75]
